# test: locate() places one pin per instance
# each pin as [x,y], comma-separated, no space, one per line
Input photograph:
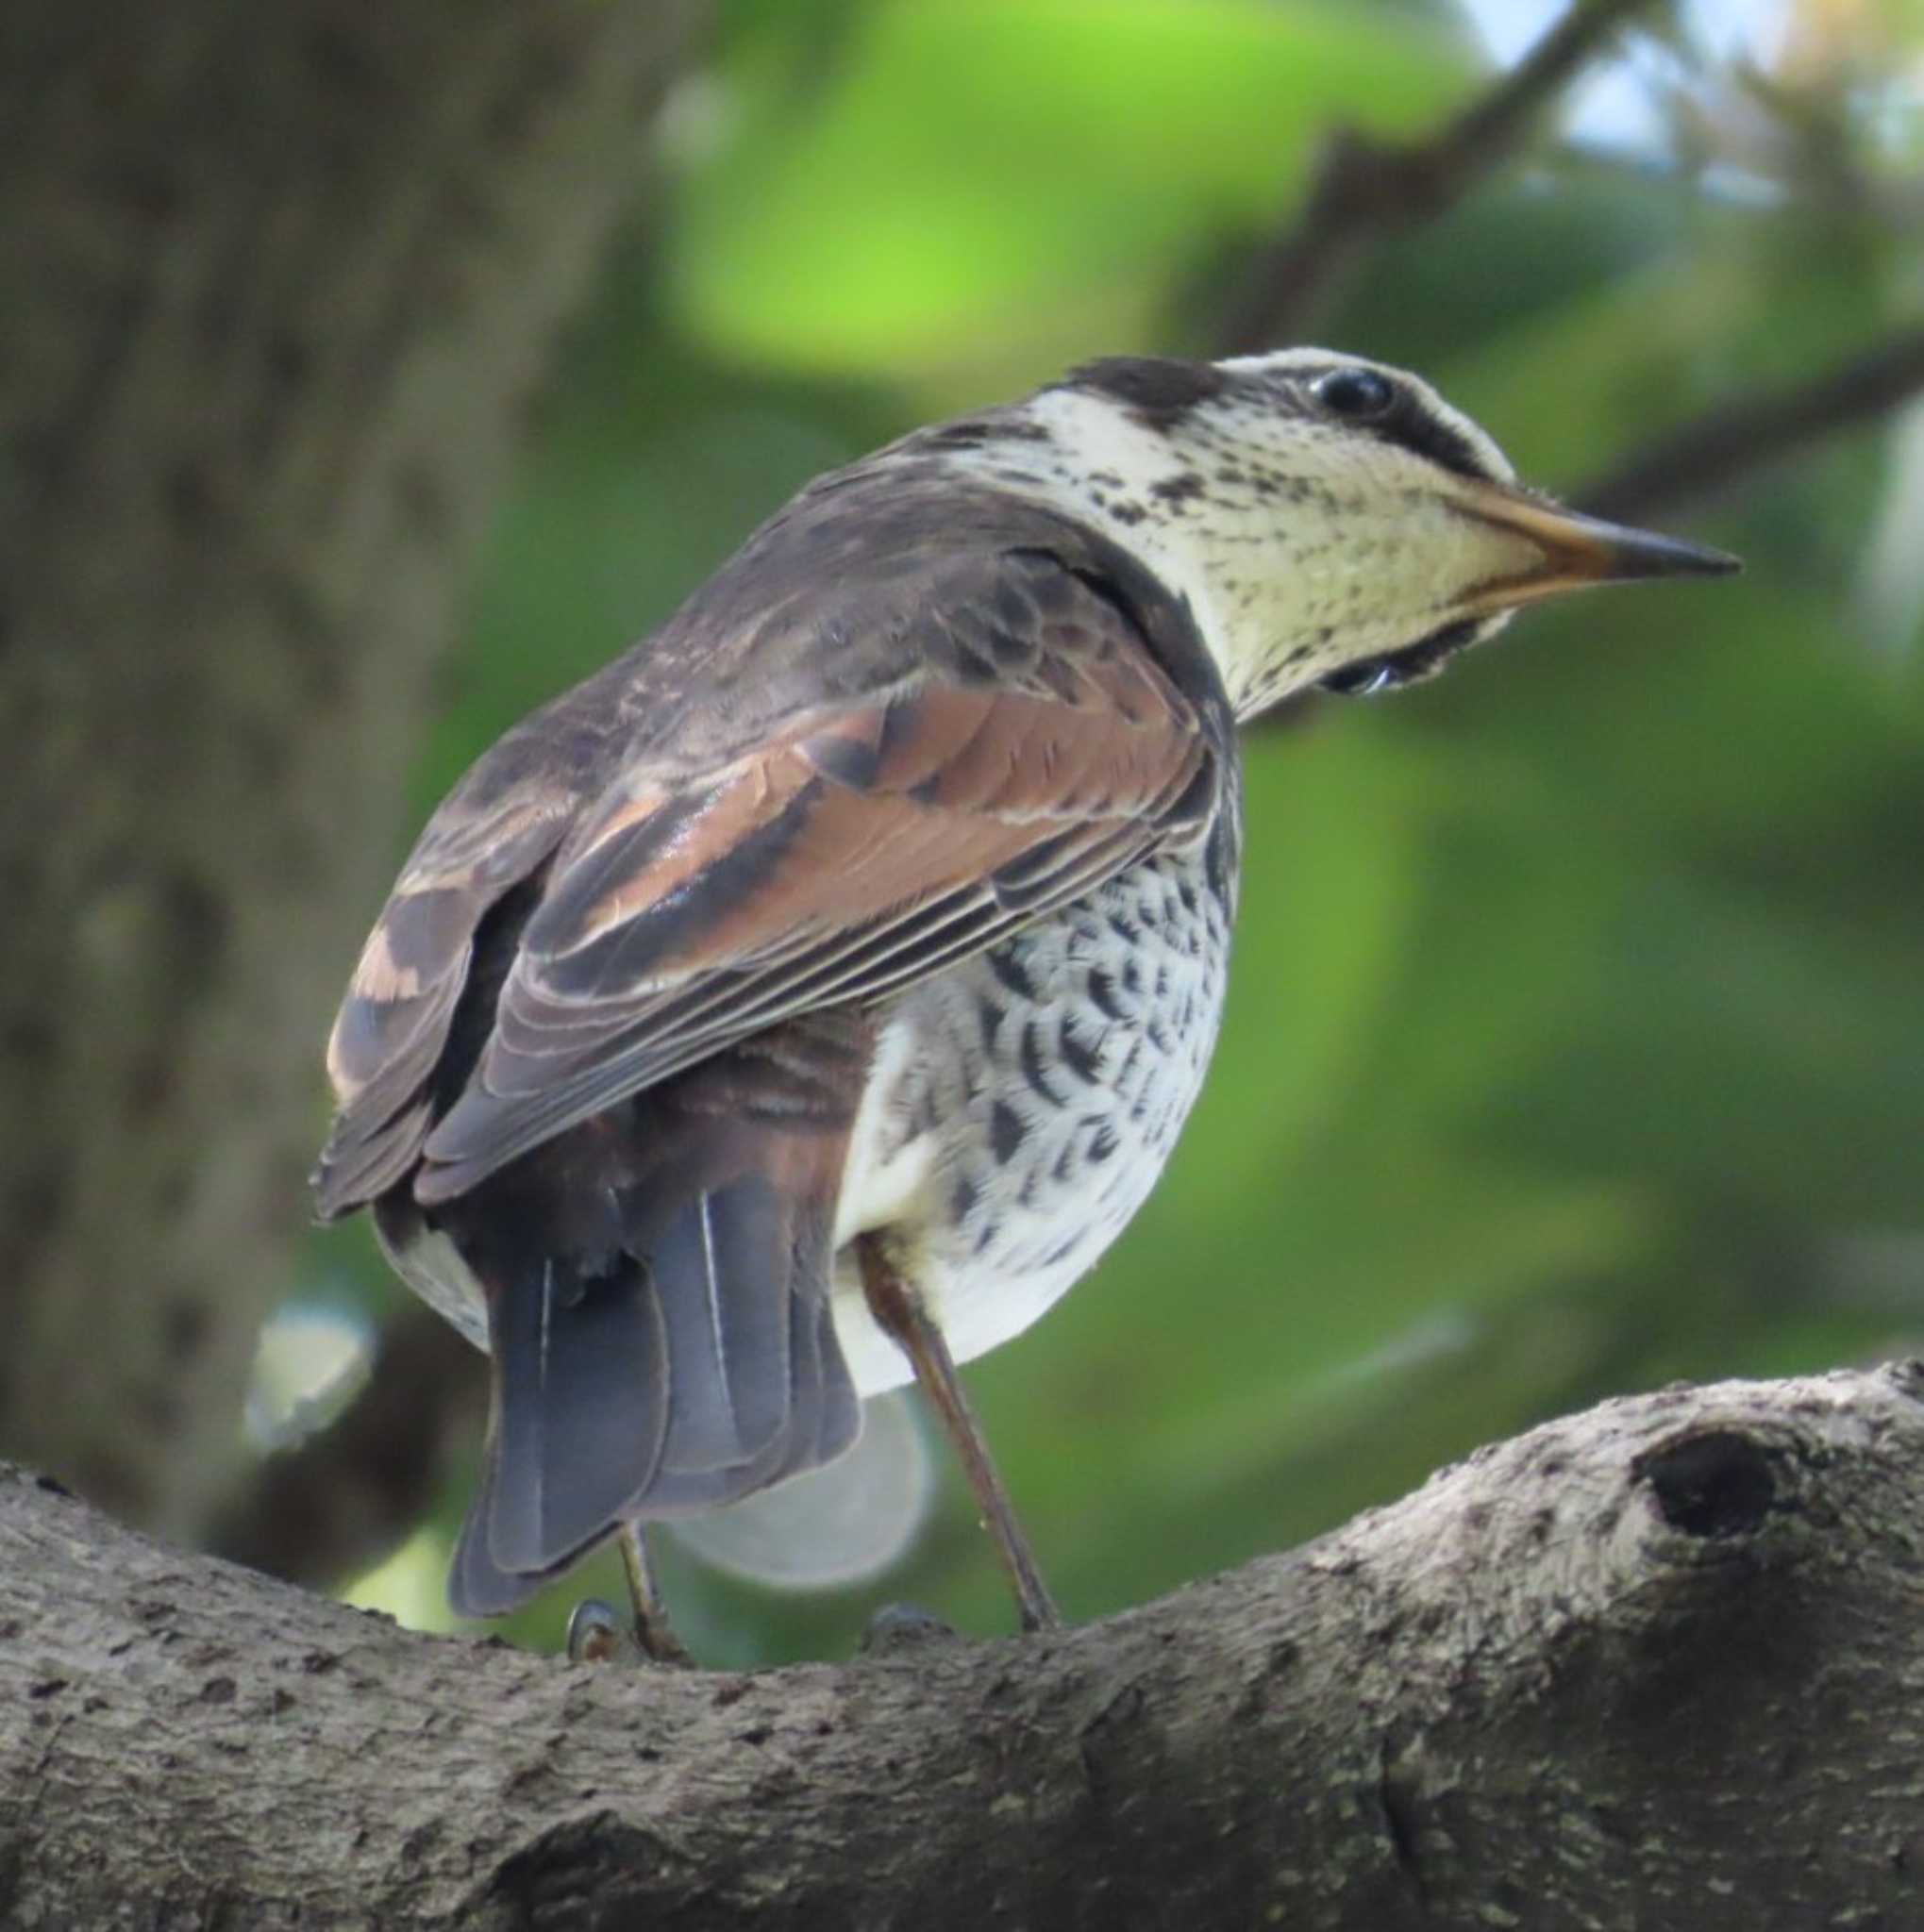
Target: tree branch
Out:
[1710,453]
[1365,190]
[277,282]
[1656,1664]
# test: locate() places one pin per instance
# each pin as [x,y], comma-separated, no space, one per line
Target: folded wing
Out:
[865,844]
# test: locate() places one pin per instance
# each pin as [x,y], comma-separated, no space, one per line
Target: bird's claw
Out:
[896,1628]
[596,1636]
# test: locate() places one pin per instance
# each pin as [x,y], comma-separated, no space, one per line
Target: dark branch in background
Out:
[1365,190]
[1701,457]
[348,1498]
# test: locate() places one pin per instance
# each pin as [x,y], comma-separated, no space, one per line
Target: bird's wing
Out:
[1037,746]
[391,1039]
[861,848]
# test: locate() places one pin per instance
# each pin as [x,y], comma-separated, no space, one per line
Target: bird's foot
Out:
[897,1629]
[597,1636]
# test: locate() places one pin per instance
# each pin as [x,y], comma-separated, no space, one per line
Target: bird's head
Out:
[1332,521]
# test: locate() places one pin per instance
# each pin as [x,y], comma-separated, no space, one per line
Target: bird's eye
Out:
[1358,395]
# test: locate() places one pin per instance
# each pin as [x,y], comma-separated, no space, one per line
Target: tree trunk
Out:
[277,282]
[1659,1666]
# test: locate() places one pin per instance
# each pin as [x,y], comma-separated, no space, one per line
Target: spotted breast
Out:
[1022,1105]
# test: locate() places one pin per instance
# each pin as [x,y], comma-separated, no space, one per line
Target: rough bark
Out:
[1655,1666]
[276,281]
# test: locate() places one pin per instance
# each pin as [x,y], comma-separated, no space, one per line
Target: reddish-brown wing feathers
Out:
[861,849]
[392,1026]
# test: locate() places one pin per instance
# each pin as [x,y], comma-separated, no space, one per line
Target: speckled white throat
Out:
[1299,547]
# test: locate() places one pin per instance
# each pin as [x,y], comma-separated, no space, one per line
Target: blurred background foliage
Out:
[1576,1038]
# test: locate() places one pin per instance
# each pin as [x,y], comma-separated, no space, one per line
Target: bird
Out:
[802,1004]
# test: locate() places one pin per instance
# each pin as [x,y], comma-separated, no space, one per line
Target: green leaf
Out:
[1033,172]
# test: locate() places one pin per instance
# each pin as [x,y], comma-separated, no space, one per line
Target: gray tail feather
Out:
[688,1362]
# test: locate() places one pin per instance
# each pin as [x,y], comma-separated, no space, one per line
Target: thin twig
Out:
[1365,190]
[1708,454]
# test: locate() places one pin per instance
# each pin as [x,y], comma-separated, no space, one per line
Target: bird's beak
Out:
[1574,551]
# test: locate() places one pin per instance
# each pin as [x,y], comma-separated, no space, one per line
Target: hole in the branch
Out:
[1713,1485]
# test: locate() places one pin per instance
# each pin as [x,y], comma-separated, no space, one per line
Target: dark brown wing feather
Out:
[857,854]
[391,1037]
[880,740]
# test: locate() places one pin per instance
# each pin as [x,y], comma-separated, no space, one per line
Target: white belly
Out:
[1022,1106]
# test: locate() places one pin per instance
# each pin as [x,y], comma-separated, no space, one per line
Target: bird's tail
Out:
[658,1286]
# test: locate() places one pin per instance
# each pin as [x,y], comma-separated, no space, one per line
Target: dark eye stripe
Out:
[1412,428]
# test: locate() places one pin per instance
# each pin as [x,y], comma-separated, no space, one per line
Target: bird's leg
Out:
[898,1311]
[594,1636]
[653,1631]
